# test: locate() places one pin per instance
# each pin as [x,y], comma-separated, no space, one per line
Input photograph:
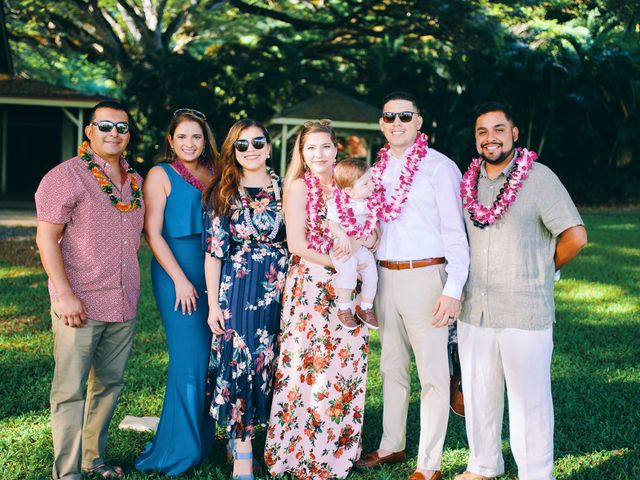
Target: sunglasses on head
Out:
[405,117]
[310,123]
[257,142]
[107,126]
[193,112]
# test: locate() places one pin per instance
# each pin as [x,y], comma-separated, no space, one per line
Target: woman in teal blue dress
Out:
[173,229]
[245,272]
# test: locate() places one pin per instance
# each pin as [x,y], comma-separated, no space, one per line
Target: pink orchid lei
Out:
[348,220]
[392,210]
[480,215]
[318,235]
[188,177]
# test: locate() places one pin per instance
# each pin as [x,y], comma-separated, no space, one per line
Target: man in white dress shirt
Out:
[423,262]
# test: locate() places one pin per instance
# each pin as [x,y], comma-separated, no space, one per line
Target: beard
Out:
[501,158]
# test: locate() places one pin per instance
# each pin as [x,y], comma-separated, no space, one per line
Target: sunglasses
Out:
[193,112]
[107,126]
[405,117]
[312,123]
[257,142]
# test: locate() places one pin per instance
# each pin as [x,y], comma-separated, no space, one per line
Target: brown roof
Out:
[335,106]
[17,87]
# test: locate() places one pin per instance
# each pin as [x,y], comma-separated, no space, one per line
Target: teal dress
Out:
[186,431]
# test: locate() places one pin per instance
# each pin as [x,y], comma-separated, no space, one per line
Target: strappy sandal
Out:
[105,471]
[257,466]
[241,456]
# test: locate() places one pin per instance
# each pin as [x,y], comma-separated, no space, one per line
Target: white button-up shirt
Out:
[431,223]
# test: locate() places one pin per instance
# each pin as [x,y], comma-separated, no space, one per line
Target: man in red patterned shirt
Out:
[90,217]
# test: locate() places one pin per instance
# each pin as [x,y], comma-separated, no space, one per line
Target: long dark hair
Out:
[225,184]
[209,157]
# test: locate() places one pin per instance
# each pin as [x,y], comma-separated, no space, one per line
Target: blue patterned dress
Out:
[242,362]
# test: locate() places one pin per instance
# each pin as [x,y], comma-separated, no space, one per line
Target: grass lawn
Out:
[596,369]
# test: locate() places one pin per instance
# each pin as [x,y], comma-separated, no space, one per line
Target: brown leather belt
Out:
[403,265]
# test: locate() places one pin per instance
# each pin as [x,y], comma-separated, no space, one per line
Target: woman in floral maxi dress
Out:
[245,273]
[318,405]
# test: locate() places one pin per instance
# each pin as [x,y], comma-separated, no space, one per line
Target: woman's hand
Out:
[216,320]
[186,297]
[344,243]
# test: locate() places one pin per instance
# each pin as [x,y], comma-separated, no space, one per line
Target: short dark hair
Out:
[492,106]
[112,104]
[400,95]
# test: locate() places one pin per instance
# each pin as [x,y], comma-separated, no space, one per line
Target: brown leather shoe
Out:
[347,320]
[456,400]
[420,476]
[372,459]
[368,317]
[470,476]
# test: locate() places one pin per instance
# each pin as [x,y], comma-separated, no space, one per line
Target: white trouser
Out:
[348,272]
[522,358]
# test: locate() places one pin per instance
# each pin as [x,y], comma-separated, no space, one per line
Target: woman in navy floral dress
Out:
[245,272]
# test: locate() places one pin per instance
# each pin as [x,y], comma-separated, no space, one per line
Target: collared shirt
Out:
[512,261]
[99,243]
[430,224]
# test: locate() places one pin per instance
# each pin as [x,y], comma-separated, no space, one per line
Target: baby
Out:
[348,212]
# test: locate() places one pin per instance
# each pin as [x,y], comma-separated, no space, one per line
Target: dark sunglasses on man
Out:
[405,117]
[257,142]
[107,125]
[191,111]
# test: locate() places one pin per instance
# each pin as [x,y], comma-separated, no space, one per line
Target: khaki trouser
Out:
[97,352]
[404,304]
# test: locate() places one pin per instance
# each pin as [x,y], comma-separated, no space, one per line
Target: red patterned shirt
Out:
[99,243]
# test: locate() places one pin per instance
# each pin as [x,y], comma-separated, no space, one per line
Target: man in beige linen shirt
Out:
[423,261]
[505,328]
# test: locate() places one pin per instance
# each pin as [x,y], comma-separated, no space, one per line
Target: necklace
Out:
[318,238]
[246,204]
[187,176]
[348,220]
[105,183]
[392,210]
[480,215]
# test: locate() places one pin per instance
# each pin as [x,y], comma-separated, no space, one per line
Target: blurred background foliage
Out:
[570,69]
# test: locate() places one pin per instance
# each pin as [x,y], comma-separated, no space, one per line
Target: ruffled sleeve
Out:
[216,237]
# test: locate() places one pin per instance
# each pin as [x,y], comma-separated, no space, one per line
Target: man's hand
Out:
[373,240]
[445,311]
[70,309]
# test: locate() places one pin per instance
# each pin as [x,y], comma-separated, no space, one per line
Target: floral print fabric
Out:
[318,405]
[252,277]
